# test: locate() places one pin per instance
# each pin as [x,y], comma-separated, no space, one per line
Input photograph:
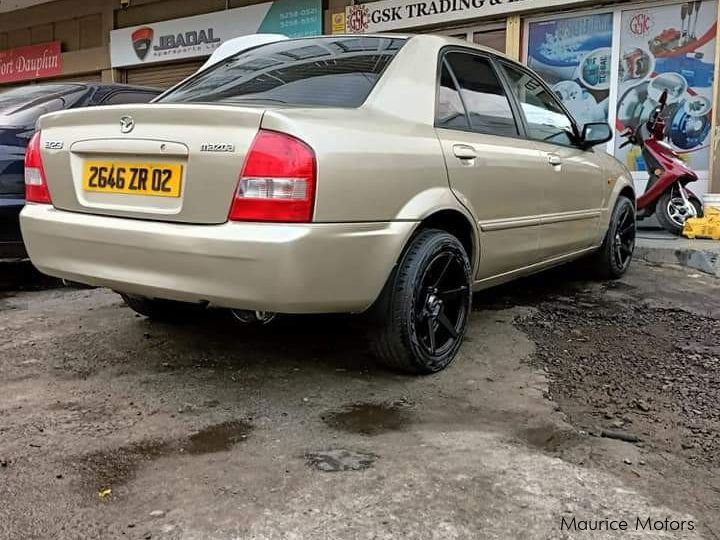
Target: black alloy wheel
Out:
[624,241]
[613,258]
[422,314]
[441,303]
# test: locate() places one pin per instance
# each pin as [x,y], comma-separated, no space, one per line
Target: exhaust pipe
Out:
[253,317]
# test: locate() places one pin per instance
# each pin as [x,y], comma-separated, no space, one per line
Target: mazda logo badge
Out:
[127,124]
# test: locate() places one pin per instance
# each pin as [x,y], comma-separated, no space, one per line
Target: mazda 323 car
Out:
[386,174]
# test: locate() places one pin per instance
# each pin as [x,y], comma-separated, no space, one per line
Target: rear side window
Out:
[132,96]
[451,112]
[481,93]
[326,71]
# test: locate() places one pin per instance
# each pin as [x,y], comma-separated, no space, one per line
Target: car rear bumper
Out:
[304,268]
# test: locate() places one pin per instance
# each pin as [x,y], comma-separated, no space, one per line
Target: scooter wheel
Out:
[672,213]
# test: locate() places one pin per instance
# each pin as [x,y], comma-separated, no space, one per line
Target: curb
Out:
[701,255]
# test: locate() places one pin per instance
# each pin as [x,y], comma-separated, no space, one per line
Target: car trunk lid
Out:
[163,162]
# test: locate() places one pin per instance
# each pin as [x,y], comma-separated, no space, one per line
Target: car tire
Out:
[162,310]
[421,316]
[662,210]
[613,258]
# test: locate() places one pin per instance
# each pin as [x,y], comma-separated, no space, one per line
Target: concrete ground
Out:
[115,427]
[656,246]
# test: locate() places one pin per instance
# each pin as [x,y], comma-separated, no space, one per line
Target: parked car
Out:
[19,110]
[384,174]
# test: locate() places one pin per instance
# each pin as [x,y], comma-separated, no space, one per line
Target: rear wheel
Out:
[613,258]
[422,314]
[162,310]
[672,213]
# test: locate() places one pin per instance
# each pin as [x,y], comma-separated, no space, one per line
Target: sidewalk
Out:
[654,245]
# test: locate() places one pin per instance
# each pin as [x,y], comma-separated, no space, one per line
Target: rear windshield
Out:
[22,106]
[327,71]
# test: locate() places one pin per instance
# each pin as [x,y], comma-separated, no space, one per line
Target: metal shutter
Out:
[162,76]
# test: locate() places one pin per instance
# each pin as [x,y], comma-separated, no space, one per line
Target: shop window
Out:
[494,39]
[671,48]
[91,31]
[68,34]
[573,56]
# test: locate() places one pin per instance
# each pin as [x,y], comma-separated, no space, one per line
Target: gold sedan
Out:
[386,174]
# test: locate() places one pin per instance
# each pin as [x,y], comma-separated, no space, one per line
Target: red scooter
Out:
[665,193]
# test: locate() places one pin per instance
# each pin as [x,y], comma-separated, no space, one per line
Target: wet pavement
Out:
[115,427]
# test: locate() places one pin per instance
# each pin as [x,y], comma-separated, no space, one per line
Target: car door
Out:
[489,164]
[571,175]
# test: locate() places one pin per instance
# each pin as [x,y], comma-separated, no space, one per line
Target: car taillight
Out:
[35,185]
[277,182]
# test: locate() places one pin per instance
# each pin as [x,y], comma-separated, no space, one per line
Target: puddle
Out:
[113,468]
[340,460]
[217,438]
[369,418]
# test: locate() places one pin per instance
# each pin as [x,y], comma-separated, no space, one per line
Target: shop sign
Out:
[338,23]
[199,36]
[395,14]
[31,62]
[671,48]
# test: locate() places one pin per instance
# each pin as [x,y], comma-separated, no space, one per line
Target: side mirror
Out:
[596,133]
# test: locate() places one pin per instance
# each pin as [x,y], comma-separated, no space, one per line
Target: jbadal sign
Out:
[199,36]
[396,14]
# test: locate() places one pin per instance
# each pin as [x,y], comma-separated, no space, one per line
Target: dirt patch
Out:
[549,438]
[619,365]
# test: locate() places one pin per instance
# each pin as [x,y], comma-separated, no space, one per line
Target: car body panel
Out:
[571,205]
[298,268]
[382,168]
[509,224]
[209,178]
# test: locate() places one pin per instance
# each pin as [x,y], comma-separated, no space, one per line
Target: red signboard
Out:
[31,62]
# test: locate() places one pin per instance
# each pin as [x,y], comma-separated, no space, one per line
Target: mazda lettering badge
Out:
[127,124]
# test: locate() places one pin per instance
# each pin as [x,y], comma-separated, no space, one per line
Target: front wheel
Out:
[672,212]
[613,258]
[422,314]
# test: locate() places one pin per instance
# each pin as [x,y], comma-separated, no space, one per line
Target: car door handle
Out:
[464,151]
[554,160]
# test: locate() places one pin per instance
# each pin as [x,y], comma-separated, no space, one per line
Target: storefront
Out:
[160,54]
[489,23]
[59,41]
[607,61]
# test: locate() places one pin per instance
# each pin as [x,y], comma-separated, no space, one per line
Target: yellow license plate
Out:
[154,179]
